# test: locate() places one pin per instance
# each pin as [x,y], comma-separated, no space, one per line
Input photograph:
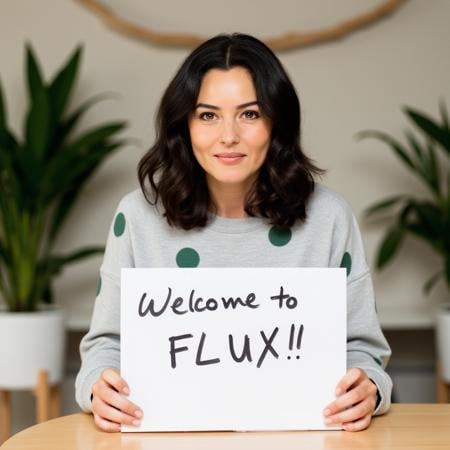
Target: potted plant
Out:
[427,218]
[40,179]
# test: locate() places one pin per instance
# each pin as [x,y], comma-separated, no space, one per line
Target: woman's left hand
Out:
[356,397]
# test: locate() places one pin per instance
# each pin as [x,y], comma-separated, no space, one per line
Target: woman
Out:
[227,184]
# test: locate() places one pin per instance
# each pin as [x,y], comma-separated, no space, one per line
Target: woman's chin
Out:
[228,182]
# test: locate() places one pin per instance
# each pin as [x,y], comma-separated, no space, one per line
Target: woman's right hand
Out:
[110,406]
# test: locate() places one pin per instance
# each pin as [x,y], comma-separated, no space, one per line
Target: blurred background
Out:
[345,86]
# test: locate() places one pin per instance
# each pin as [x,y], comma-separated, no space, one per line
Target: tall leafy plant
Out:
[427,158]
[40,180]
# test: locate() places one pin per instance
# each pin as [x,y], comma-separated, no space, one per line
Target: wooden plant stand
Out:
[442,387]
[47,404]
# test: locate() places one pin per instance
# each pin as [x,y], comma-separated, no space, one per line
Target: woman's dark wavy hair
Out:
[286,178]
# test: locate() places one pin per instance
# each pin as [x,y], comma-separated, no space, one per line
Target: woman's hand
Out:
[356,400]
[110,406]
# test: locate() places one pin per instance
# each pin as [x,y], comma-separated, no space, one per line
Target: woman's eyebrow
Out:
[243,105]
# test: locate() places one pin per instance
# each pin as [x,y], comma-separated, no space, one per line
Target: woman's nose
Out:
[230,132]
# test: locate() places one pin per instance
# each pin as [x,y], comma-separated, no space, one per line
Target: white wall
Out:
[346,86]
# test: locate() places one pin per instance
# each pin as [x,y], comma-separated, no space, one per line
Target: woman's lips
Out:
[230,158]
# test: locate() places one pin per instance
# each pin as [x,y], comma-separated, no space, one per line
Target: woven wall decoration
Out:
[285,41]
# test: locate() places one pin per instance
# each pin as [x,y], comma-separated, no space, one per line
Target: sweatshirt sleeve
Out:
[367,347]
[100,347]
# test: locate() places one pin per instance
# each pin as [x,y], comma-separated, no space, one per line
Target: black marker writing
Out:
[194,304]
[299,338]
[291,302]
[173,350]
[268,346]
[198,359]
[246,353]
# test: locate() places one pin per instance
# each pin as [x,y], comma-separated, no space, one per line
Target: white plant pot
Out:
[443,339]
[30,342]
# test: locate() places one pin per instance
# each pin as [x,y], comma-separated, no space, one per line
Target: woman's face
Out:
[229,135]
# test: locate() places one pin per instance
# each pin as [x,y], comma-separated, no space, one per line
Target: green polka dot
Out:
[187,257]
[347,262]
[378,361]
[279,236]
[119,225]
[99,286]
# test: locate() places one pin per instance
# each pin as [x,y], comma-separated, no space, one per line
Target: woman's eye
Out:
[250,114]
[207,116]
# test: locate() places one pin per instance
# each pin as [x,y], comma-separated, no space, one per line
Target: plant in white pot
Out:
[40,179]
[428,218]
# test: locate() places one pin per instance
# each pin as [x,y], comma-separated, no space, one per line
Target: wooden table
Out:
[406,426]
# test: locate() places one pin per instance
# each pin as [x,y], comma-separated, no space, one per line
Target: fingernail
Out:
[125,390]
[136,422]
[327,412]
[138,414]
[338,391]
[328,421]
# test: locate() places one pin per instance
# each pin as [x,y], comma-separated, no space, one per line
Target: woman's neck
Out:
[228,200]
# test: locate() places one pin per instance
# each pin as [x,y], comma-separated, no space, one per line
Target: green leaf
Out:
[415,146]
[61,86]
[22,174]
[34,77]
[440,134]
[62,209]
[12,183]
[395,146]
[431,216]
[383,204]
[444,114]
[51,266]
[38,118]
[93,136]
[431,282]
[4,254]
[65,127]
[73,160]
[428,223]
[47,295]
[405,213]
[447,270]
[389,245]
[4,285]
[424,163]
[11,141]
[66,201]
[434,169]
[55,264]
[421,231]
[2,117]
[37,123]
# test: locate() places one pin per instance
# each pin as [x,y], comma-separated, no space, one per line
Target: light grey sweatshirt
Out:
[140,237]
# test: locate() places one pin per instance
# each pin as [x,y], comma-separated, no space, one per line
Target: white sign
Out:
[232,348]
